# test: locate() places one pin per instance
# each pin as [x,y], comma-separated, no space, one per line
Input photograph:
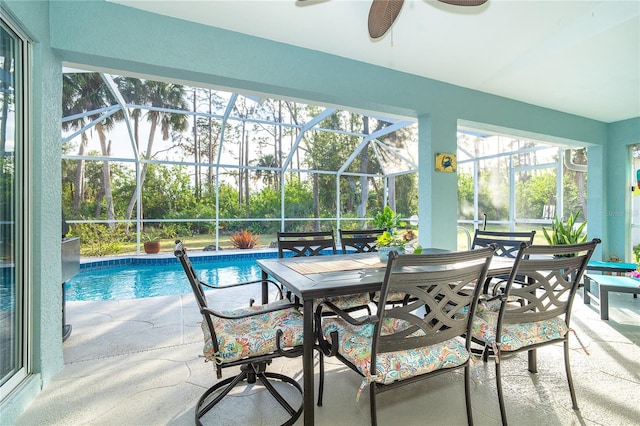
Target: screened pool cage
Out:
[144,159]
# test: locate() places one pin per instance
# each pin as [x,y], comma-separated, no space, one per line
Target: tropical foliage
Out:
[389,239]
[217,164]
[211,174]
[566,233]
[244,239]
[387,219]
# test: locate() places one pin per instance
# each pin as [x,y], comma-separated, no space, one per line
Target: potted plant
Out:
[565,233]
[387,219]
[151,240]
[388,242]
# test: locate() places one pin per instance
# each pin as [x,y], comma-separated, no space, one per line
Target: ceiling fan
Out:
[383,13]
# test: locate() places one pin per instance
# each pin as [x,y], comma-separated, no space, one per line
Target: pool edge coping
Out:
[167,258]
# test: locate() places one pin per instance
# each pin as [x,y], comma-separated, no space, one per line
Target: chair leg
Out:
[567,367]
[321,384]
[503,413]
[486,353]
[230,383]
[264,379]
[372,404]
[532,357]
[467,392]
[257,372]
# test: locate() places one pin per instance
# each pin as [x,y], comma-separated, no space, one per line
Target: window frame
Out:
[22,203]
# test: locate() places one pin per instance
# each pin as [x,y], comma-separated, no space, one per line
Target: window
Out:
[13,285]
[209,163]
[506,183]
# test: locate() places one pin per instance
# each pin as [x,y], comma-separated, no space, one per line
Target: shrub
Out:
[244,239]
[97,239]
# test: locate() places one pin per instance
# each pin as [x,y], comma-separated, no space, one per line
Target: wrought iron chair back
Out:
[362,240]
[508,243]
[305,243]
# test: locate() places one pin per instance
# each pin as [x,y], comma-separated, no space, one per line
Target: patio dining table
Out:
[319,277]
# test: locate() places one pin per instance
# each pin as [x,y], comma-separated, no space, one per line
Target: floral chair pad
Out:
[252,336]
[355,345]
[346,302]
[392,297]
[514,336]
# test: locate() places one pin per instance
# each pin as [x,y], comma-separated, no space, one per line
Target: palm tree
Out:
[160,95]
[6,90]
[269,177]
[86,92]
[132,90]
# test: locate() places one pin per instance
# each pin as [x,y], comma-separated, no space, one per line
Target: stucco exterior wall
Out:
[43,159]
[620,177]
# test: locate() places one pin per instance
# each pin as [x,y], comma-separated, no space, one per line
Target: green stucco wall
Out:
[620,177]
[44,160]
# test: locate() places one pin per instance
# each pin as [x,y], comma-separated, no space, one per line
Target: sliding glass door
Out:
[13,184]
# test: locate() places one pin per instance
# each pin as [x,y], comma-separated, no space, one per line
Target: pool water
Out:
[139,281]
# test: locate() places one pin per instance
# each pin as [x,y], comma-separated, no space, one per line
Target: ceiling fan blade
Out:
[464,2]
[382,15]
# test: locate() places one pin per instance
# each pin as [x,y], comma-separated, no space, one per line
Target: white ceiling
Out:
[579,57]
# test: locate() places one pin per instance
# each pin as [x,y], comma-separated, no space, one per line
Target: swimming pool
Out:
[134,281]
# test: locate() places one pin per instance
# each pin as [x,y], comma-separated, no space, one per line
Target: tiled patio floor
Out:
[136,362]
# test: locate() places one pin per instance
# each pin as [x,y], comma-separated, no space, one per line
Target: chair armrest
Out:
[499,285]
[268,281]
[330,349]
[485,298]
[244,314]
[369,319]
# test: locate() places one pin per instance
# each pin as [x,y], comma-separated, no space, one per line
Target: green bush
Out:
[97,239]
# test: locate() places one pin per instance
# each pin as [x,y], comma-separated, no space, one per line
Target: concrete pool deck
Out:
[137,362]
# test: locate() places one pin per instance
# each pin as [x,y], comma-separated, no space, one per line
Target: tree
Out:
[7,95]
[328,151]
[207,133]
[575,182]
[87,93]
[162,95]
[268,177]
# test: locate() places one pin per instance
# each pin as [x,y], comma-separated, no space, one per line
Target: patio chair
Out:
[306,243]
[248,337]
[362,240]
[312,244]
[508,245]
[536,312]
[428,336]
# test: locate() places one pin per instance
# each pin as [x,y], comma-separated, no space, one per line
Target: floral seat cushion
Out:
[355,345]
[392,297]
[252,336]
[346,302]
[514,336]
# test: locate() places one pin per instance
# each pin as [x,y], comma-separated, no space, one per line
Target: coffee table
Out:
[607,283]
